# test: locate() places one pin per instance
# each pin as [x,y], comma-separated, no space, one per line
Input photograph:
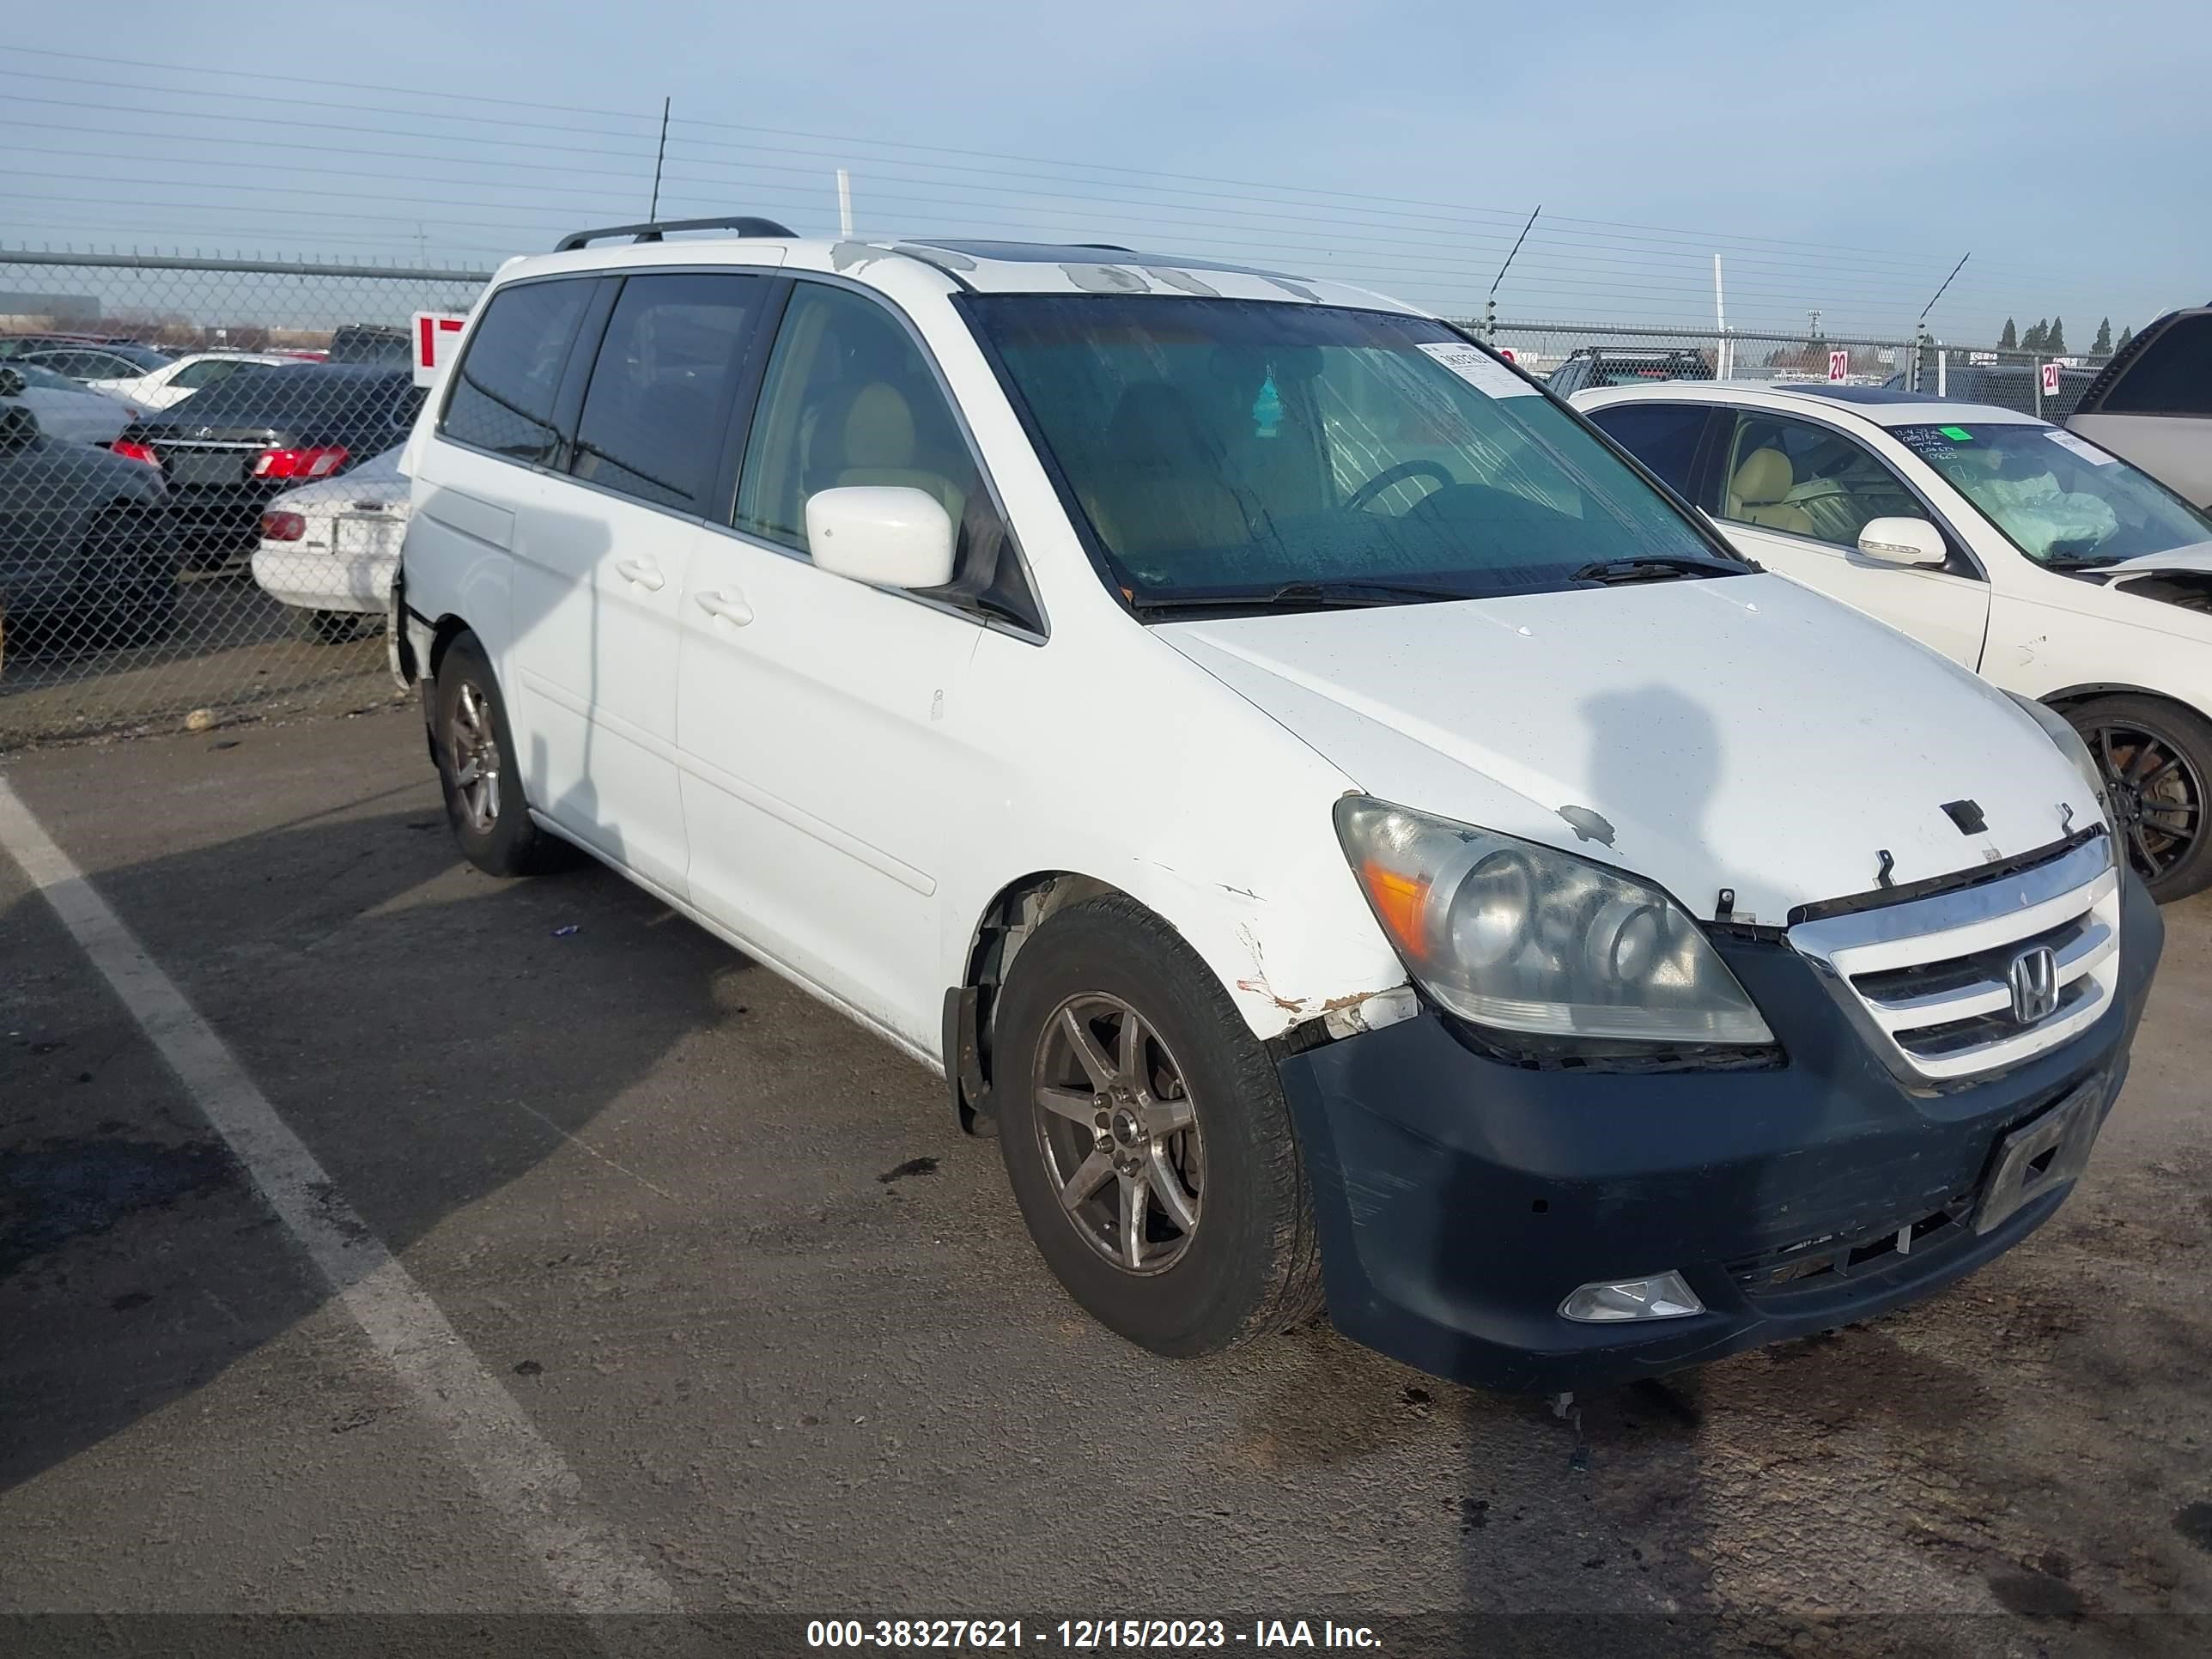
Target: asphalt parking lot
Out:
[737,1272]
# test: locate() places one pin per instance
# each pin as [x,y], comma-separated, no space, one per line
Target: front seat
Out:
[879,448]
[1755,492]
[1162,487]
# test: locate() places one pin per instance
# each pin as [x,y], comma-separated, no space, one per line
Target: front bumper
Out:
[1459,1198]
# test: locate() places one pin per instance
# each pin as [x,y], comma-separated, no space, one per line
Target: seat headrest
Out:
[1764,476]
[878,428]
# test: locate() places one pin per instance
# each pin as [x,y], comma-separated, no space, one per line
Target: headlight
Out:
[1521,937]
[2061,732]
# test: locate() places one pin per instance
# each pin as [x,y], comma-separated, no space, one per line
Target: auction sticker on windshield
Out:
[2087,451]
[1484,373]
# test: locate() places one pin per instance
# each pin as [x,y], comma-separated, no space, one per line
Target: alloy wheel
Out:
[1120,1134]
[474,753]
[2157,796]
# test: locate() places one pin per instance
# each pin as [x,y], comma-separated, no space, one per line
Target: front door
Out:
[1794,495]
[821,788]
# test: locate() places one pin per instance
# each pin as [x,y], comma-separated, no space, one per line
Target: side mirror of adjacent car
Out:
[11,382]
[18,426]
[887,535]
[1902,541]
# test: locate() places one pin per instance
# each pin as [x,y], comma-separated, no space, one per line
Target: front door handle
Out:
[728,604]
[646,574]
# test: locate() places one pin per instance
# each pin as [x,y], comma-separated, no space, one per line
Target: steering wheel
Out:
[1398,474]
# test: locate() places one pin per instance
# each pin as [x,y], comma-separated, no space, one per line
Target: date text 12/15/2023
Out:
[1087,1635]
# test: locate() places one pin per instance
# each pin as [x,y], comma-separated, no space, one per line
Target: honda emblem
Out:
[2033,981]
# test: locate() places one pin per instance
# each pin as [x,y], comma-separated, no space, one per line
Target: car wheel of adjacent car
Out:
[1146,1137]
[2156,757]
[476,771]
[129,579]
[329,626]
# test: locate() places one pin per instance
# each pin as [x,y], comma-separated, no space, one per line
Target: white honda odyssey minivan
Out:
[1341,826]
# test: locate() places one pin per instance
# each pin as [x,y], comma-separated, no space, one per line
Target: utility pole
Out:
[844,205]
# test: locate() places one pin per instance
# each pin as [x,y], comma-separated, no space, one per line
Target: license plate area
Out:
[209,466]
[2042,1154]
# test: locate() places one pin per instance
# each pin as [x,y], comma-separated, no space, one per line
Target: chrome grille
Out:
[1927,979]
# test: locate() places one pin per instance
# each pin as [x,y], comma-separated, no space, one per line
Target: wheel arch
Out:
[1226,928]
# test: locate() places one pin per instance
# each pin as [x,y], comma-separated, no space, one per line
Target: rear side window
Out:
[661,386]
[2174,376]
[1663,436]
[505,382]
[206,372]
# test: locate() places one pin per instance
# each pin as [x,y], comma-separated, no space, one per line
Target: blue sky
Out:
[1842,155]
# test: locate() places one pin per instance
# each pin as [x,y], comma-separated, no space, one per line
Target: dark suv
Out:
[1595,366]
[371,343]
[226,450]
[2153,404]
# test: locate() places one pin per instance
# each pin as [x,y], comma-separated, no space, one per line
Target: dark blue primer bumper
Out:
[1459,1198]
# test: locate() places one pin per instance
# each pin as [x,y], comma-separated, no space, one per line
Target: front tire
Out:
[476,770]
[2156,757]
[1146,1137]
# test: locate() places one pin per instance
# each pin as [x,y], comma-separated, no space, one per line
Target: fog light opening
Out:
[1661,1296]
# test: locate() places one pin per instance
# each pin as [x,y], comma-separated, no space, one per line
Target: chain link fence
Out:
[1574,357]
[200,506]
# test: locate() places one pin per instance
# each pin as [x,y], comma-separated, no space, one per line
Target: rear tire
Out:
[329,626]
[476,770]
[2156,756]
[1192,1129]
[128,588]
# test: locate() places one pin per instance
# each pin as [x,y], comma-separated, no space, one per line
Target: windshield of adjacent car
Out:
[1229,448]
[2060,499]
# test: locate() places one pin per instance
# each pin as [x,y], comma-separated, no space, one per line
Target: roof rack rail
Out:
[1108,247]
[743,225]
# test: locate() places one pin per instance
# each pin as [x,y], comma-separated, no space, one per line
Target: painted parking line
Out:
[527,1482]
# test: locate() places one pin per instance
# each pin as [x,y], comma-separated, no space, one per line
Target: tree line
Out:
[2049,336]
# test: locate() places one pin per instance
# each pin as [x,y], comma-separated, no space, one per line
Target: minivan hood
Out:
[1740,733]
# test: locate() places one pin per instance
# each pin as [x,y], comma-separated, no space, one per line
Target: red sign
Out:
[435,332]
[2051,380]
[1840,365]
[1506,352]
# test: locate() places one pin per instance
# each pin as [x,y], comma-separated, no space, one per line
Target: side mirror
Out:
[18,426]
[1902,541]
[885,535]
[11,382]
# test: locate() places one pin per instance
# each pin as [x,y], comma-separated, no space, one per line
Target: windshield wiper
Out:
[1654,567]
[1348,594]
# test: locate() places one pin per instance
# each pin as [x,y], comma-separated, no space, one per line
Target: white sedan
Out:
[329,549]
[2025,553]
[69,410]
[161,387]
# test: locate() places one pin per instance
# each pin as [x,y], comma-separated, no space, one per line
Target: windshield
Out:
[2060,499]
[1232,448]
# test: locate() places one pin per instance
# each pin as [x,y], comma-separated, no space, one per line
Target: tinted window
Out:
[1806,479]
[2174,376]
[1663,436]
[661,385]
[850,399]
[1569,377]
[504,384]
